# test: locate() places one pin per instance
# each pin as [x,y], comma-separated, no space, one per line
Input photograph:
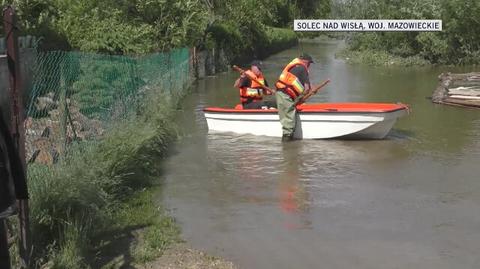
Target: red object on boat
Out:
[321,107]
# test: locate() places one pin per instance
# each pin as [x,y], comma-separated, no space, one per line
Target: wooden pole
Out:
[17,127]
[311,93]
[4,254]
[241,71]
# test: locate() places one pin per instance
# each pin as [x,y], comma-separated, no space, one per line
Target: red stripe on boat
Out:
[321,108]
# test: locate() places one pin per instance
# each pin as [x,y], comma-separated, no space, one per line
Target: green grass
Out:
[139,219]
[276,40]
[71,250]
[241,45]
[161,230]
[100,188]
[280,37]
[379,58]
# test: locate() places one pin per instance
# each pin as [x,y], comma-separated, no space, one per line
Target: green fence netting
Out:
[77,95]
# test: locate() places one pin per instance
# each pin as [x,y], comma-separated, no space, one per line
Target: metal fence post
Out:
[17,125]
[63,109]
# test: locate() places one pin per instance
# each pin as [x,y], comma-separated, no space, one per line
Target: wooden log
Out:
[465,97]
[460,102]
[466,76]
[458,89]
[464,83]
[467,91]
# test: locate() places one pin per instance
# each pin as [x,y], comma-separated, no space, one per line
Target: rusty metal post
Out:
[17,125]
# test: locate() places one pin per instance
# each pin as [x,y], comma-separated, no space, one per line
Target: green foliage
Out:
[159,235]
[130,26]
[157,239]
[141,26]
[432,47]
[76,200]
[106,87]
[227,35]
[102,82]
[34,15]
[312,9]
[69,192]
[115,27]
[277,39]
[72,248]
[73,200]
[458,43]
[250,27]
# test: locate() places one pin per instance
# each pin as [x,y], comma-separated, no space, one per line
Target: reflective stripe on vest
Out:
[290,83]
[254,92]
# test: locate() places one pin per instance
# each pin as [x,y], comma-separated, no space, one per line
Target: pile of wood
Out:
[458,90]
[47,137]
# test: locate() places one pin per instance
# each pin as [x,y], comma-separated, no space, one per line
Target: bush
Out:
[458,43]
[276,40]
[142,26]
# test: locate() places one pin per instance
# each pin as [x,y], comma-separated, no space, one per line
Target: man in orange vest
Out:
[292,83]
[251,93]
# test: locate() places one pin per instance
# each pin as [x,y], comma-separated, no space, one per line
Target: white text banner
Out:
[367,25]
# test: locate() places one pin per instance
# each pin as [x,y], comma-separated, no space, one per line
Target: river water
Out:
[409,201]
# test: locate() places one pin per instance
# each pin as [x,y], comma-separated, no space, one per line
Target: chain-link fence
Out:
[76,96]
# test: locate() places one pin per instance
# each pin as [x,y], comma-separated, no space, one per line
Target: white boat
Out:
[314,121]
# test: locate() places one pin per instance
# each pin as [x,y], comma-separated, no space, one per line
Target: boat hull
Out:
[317,121]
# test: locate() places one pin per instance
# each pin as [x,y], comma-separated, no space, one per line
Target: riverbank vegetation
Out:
[143,26]
[458,43]
[100,192]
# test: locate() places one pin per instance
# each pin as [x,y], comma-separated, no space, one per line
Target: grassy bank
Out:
[97,191]
[379,58]
[94,208]
[142,232]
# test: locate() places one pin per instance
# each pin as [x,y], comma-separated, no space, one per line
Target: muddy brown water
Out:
[409,201]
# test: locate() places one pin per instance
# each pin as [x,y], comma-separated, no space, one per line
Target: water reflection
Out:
[267,204]
[292,177]
[293,195]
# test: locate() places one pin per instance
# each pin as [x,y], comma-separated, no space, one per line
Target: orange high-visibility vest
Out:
[255,91]
[290,83]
